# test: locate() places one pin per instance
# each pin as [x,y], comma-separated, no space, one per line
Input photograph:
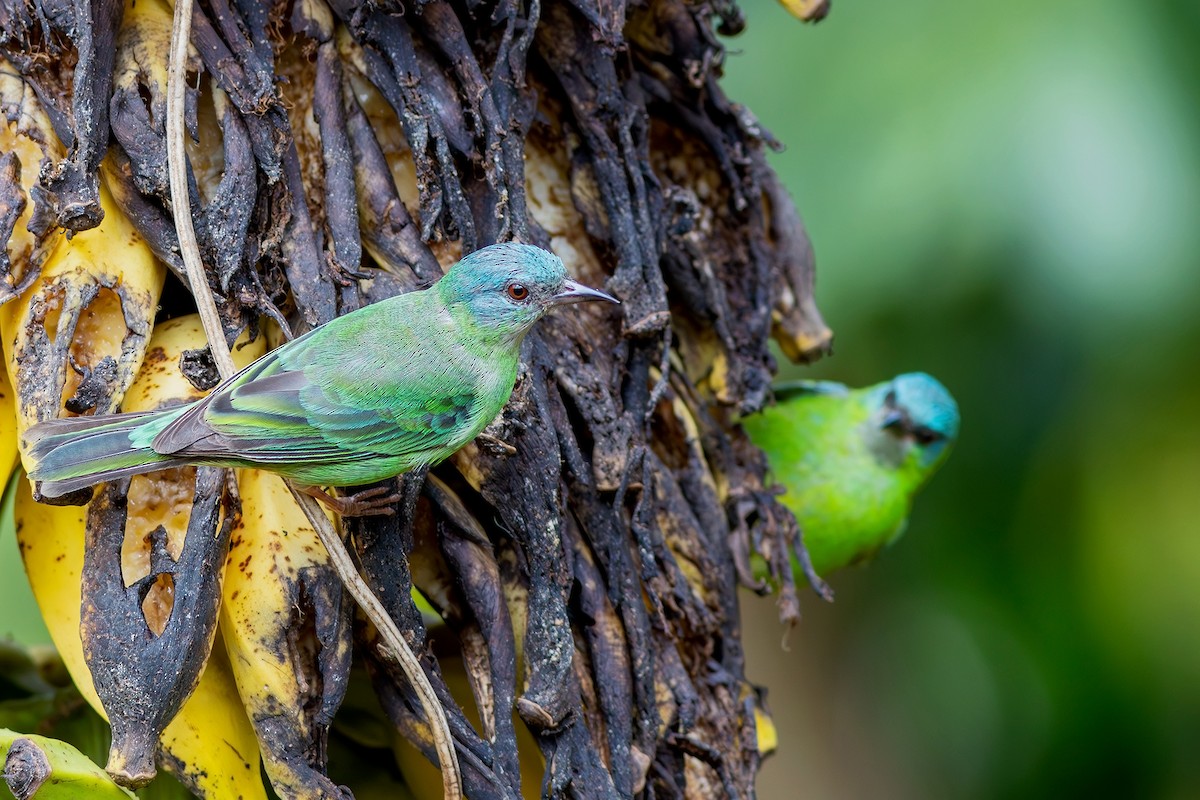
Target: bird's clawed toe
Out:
[379,501]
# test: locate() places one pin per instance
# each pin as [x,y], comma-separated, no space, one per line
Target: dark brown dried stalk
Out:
[585,553]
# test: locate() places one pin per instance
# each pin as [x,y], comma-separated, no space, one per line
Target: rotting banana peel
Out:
[286,626]
[27,140]
[210,745]
[40,768]
[164,497]
[75,339]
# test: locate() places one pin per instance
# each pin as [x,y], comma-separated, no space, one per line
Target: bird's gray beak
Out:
[893,418]
[573,292]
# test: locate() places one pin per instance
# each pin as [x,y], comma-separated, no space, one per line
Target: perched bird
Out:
[852,459]
[393,386]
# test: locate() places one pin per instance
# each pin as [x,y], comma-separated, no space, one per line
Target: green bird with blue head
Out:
[396,385]
[851,460]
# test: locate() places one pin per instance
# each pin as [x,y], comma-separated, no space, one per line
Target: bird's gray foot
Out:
[379,501]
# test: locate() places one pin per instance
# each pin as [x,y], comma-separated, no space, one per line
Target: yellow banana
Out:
[807,10]
[140,98]
[75,339]
[8,430]
[286,629]
[160,380]
[766,733]
[40,768]
[142,48]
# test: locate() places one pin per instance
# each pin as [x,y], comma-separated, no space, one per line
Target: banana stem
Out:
[181,206]
[395,645]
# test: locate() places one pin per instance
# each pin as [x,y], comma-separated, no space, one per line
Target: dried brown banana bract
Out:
[582,557]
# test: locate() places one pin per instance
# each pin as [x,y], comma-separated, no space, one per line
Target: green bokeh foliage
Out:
[1005,195]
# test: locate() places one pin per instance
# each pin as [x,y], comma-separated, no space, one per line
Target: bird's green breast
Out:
[847,503]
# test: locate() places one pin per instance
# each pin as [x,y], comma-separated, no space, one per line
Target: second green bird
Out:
[396,385]
[852,459]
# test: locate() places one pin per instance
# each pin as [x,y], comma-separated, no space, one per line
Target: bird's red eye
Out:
[517,291]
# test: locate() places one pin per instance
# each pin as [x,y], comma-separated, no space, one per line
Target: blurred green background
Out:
[1006,195]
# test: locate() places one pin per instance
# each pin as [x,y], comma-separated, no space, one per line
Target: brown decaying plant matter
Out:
[586,552]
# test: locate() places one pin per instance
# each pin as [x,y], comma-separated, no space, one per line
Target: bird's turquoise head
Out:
[915,420]
[502,289]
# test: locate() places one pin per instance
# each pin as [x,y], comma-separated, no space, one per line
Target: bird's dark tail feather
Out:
[65,455]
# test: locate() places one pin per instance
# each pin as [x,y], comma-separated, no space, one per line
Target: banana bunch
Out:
[209,744]
[81,338]
[340,153]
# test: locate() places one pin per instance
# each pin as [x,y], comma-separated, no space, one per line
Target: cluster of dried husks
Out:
[584,556]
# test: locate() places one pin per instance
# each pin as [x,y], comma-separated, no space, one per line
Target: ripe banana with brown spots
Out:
[286,625]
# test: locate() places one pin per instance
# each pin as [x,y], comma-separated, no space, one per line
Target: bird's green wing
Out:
[289,409]
[789,389]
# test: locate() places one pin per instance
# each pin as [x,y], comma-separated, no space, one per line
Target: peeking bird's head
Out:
[913,417]
[504,288]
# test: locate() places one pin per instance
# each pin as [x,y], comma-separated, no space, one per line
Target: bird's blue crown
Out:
[927,403]
[493,267]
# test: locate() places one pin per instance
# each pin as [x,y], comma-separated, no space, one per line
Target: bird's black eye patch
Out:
[924,436]
[517,291]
